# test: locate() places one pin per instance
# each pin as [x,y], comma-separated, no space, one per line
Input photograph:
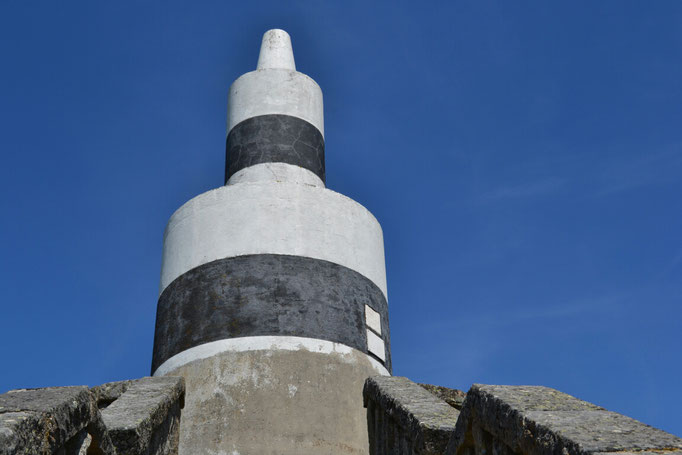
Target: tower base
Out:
[273,395]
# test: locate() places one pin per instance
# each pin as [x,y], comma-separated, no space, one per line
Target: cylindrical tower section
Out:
[275,119]
[273,301]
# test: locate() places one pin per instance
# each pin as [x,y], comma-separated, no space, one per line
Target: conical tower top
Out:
[276,51]
[275,120]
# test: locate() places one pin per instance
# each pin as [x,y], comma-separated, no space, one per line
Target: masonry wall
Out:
[404,419]
[137,417]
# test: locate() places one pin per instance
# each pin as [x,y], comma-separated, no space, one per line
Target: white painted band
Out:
[273,218]
[275,91]
[275,172]
[262,343]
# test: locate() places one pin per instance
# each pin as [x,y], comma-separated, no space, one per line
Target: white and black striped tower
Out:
[273,288]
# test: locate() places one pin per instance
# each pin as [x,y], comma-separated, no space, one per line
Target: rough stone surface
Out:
[275,139]
[404,418]
[67,420]
[145,418]
[544,421]
[109,392]
[43,421]
[267,294]
[275,402]
[453,397]
[643,452]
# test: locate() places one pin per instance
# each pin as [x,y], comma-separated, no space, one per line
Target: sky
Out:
[524,160]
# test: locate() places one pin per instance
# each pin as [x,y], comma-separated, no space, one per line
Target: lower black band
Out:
[274,138]
[267,294]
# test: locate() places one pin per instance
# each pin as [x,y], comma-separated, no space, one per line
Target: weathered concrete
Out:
[274,138]
[404,418]
[543,421]
[275,173]
[269,294]
[275,91]
[275,402]
[261,343]
[273,218]
[276,51]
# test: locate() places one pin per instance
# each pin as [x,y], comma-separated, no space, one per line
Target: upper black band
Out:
[267,294]
[274,138]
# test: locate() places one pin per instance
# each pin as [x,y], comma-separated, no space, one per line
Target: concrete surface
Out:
[274,138]
[275,401]
[261,343]
[269,294]
[274,173]
[276,218]
[276,51]
[275,91]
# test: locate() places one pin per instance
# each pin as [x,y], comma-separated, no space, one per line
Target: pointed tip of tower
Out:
[276,51]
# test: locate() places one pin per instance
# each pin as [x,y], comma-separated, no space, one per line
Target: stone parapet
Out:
[537,420]
[145,418]
[404,418]
[453,397]
[51,420]
[138,417]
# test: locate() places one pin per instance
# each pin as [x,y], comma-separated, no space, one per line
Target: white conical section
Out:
[276,51]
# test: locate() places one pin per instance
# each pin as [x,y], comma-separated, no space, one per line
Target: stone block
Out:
[404,418]
[542,421]
[107,393]
[50,420]
[139,417]
[145,418]
[453,397]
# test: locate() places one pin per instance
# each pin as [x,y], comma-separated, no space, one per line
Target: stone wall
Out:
[542,421]
[500,420]
[139,417]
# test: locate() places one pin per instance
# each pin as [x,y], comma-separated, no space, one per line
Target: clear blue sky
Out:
[523,158]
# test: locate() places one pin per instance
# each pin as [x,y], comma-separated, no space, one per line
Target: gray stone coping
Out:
[144,406]
[428,419]
[453,397]
[540,420]
[41,421]
[68,419]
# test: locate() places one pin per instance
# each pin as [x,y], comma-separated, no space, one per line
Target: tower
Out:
[273,302]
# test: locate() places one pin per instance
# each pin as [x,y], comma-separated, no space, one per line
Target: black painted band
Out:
[267,294]
[274,138]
